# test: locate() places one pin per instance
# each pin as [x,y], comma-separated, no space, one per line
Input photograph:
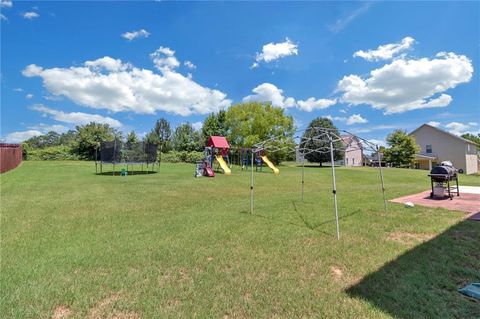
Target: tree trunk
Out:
[321,164]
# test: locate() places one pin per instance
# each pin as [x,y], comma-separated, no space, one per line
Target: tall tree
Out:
[253,122]
[132,139]
[322,143]
[161,135]
[186,138]
[473,138]
[214,124]
[89,137]
[402,149]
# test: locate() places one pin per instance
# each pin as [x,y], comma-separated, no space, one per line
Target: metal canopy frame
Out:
[350,142]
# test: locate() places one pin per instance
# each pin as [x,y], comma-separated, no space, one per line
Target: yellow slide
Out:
[270,164]
[223,165]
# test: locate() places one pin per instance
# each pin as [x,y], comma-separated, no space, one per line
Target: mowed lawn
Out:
[167,245]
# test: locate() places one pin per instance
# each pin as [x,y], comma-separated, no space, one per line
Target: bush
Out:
[182,156]
[52,153]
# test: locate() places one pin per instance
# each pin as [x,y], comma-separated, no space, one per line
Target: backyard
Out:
[80,245]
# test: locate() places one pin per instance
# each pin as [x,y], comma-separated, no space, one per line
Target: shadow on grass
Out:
[423,282]
[130,173]
[305,223]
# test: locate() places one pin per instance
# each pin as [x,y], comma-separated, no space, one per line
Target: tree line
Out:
[243,124]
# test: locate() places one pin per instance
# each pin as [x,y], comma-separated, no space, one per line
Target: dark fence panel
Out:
[10,156]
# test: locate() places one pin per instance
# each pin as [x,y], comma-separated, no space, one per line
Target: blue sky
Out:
[372,67]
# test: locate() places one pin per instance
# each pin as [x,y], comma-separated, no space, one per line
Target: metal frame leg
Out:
[334,190]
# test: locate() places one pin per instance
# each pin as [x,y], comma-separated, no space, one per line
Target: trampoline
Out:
[118,153]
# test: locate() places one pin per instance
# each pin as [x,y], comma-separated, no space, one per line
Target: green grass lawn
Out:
[167,245]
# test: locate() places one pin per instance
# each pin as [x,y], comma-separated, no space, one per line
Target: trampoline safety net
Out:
[118,152]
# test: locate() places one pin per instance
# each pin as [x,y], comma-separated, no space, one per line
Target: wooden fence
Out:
[10,156]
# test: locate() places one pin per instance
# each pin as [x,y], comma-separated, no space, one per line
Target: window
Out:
[353,161]
[468,147]
[346,159]
[428,148]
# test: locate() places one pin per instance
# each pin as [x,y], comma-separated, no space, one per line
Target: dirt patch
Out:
[61,312]
[336,272]
[409,238]
[105,309]
[210,258]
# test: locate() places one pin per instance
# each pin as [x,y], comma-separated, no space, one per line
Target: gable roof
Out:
[444,132]
[217,141]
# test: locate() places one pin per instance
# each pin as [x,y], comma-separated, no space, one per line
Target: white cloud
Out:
[381,127]
[311,104]
[107,83]
[135,34]
[458,128]
[3,18]
[386,51]
[107,63]
[344,21]
[30,15]
[336,118]
[267,92]
[17,89]
[76,118]
[45,128]
[197,125]
[6,3]
[164,59]
[274,51]
[189,65]
[17,137]
[378,142]
[405,85]
[356,119]
[29,96]
[434,123]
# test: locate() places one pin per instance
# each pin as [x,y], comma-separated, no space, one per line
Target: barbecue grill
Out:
[440,178]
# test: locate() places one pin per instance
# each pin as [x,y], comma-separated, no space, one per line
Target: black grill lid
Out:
[443,170]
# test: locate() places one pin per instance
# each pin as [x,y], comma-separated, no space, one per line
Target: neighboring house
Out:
[353,152]
[437,146]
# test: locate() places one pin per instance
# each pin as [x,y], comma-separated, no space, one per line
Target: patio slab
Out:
[466,202]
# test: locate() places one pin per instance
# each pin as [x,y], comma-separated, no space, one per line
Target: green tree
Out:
[132,139]
[253,122]
[45,140]
[322,143]
[89,137]
[402,149]
[68,138]
[186,138]
[473,138]
[161,135]
[214,124]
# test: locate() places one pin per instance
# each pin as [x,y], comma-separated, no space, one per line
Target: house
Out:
[437,146]
[353,151]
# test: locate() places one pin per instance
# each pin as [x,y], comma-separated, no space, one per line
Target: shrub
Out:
[181,156]
[52,153]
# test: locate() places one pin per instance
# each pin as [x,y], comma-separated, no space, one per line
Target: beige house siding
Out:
[446,148]
[353,153]
[471,164]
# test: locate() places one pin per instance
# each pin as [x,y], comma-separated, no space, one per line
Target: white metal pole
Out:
[251,186]
[381,178]
[303,175]
[334,186]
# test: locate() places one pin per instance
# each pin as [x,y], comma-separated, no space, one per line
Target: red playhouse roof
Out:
[218,142]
